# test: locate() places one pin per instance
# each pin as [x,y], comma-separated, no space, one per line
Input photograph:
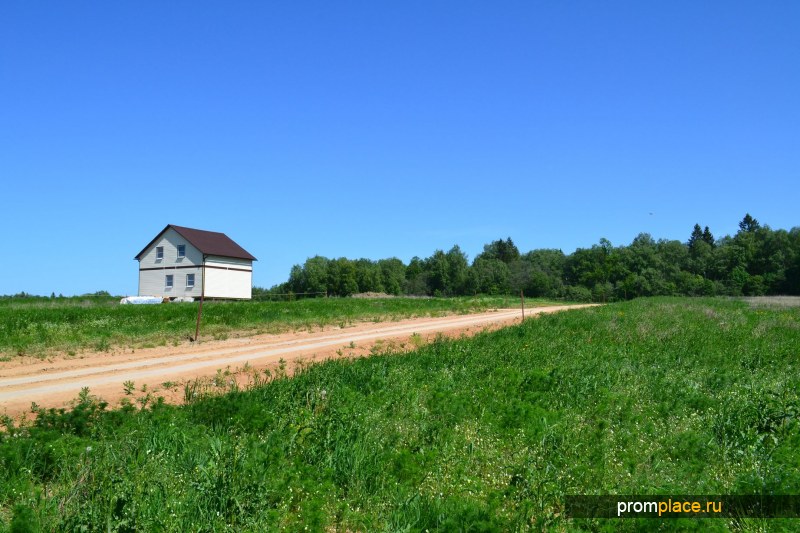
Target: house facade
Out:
[187,262]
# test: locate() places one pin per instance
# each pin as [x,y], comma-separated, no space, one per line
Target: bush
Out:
[575,293]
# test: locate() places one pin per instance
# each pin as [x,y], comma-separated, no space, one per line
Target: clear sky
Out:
[380,129]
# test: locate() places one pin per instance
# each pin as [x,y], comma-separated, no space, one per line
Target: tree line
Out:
[757,260]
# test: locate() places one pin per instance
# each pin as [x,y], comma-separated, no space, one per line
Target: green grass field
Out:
[40,326]
[654,396]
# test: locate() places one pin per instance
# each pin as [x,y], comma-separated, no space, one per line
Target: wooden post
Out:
[199,314]
[522,299]
[202,297]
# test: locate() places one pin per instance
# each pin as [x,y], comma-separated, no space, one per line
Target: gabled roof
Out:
[208,242]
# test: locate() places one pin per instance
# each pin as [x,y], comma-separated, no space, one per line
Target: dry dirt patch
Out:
[780,302]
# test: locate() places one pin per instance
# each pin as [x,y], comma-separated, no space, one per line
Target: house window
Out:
[181,250]
[168,282]
[159,253]
[189,281]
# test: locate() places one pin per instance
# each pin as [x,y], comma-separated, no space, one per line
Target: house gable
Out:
[207,242]
[169,240]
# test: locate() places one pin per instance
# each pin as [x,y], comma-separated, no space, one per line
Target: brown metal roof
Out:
[208,242]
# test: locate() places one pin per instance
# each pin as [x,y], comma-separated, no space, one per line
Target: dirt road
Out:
[163,371]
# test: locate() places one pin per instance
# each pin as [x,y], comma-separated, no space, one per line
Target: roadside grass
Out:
[489,433]
[40,326]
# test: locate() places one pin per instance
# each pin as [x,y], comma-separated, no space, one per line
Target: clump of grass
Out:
[417,340]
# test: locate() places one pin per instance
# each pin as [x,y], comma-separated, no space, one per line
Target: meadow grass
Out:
[656,396]
[40,326]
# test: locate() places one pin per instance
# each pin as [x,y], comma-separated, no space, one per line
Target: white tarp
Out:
[140,300]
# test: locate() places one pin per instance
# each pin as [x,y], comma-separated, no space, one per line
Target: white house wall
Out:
[227,277]
[153,282]
[153,272]
[229,262]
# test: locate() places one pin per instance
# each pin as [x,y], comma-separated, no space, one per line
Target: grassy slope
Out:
[39,326]
[484,434]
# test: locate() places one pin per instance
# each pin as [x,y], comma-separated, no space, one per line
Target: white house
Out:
[191,262]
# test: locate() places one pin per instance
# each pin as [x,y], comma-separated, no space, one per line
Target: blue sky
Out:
[377,129]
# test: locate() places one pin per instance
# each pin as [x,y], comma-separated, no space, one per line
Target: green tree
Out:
[791,284]
[457,272]
[520,274]
[342,277]
[696,236]
[393,275]
[551,262]
[315,274]
[748,223]
[417,278]
[545,277]
[437,268]
[708,238]
[296,281]
[589,267]
[504,250]
[368,276]
[490,276]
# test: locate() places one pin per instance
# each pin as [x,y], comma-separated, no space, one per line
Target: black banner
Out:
[682,506]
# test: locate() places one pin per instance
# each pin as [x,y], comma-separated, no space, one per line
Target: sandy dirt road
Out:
[56,381]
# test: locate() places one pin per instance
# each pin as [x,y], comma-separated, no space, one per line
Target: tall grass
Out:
[38,326]
[483,434]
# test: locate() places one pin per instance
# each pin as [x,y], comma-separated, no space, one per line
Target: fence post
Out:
[202,297]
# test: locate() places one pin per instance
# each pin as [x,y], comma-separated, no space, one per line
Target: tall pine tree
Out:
[708,237]
[749,224]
